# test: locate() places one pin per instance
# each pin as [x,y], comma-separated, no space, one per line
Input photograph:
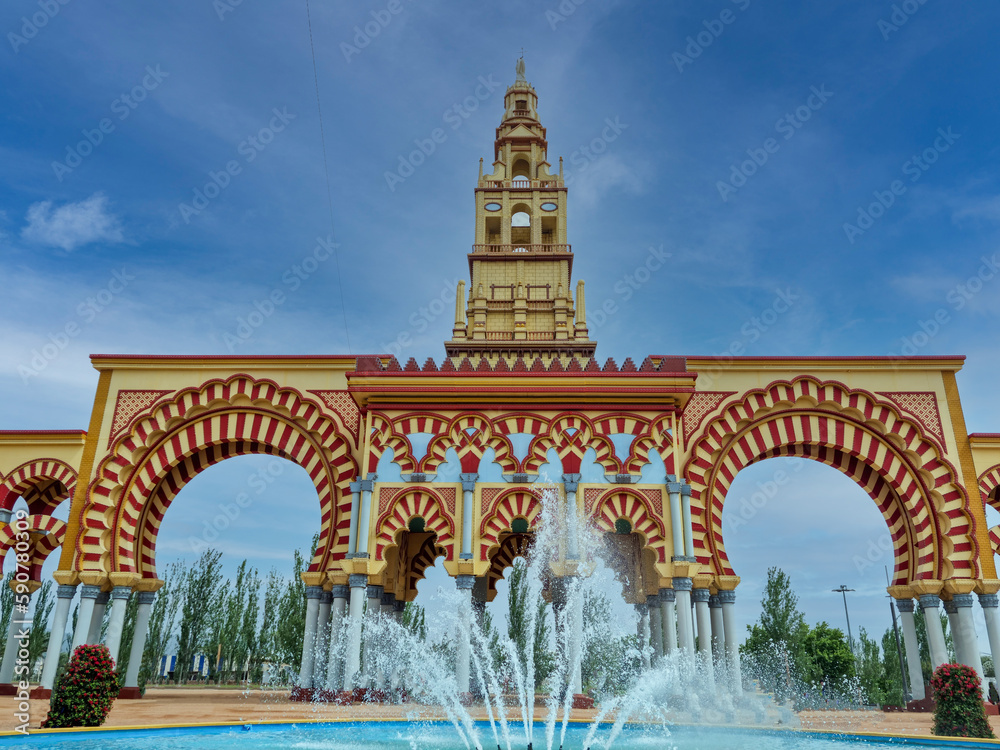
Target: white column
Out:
[64,598]
[97,619]
[989,605]
[966,639]
[642,630]
[352,657]
[468,493]
[718,629]
[119,603]
[17,621]
[676,519]
[685,623]
[728,601]
[668,619]
[655,625]
[352,533]
[364,516]
[574,610]
[930,604]
[571,483]
[322,647]
[374,611]
[701,597]
[686,518]
[335,660]
[85,615]
[139,638]
[912,648]
[313,594]
[464,584]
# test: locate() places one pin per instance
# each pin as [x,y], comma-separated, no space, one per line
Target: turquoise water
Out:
[408,736]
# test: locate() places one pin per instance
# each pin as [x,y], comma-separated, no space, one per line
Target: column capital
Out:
[727,597]
[340,591]
[103,597]
[314,592]
[121,592]
[468,482]
[464,582]
[653,600]
[375,591]
[357,580]
[88,591]
[962,600]
[988,600]
[146,597]
[571,482]
[673,488]
[714,601]
[355,486]
[68,592]
[667,595]
[5,515]
[701,595]
[904,605]
[950,607]
[326,597]
[387,598]
[366,485]
[930,601]
[641,607]
[683,584]
[685,489]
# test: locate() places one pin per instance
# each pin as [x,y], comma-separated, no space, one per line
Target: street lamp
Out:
[850,638]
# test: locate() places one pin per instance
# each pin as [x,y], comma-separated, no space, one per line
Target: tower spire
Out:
[521,263]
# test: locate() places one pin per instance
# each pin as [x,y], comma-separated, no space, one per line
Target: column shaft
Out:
[352,533]
[464,584]
[17,620]
[728,599]
[309,636]
[930,604]
[676,520]
[468,492]
[119,603]
[322,648]
[85,615]
[685,623]
[718,630]
[966,638]
[655,626]
[97,619]
[65,596]
[335,660]
[364,517]
[701,597]
[668,619]
[352,656]
[142,614]
[911,648]
[642,628]
[686,516]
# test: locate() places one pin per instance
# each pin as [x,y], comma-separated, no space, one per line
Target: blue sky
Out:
[834,100]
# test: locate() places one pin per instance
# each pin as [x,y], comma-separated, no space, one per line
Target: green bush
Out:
[959,711]
[85,691]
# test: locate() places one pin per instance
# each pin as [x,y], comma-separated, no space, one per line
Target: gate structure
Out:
[447,459]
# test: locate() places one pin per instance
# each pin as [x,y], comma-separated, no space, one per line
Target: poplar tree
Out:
[200,591]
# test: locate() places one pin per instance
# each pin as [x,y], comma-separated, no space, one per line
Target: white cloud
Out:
[73,224]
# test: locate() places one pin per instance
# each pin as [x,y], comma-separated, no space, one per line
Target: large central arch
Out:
[891,457]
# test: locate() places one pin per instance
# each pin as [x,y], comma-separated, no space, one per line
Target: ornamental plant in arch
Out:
[85,691]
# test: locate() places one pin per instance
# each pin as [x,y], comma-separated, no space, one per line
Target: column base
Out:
[130,693]
[302,694]
[8,689]
[582,701]
[38,693]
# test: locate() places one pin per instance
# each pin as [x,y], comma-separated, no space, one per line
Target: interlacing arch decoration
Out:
[654,435]
[868,439]
[421,502]
[499,519]
[388,434]
[197,427]
[571,435]
[629,505]
[989,481]
[46,534]
[470,435]
[42,483]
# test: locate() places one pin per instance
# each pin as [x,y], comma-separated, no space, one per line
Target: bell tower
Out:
[520,300]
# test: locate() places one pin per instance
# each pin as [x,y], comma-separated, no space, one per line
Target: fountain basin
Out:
[435,735]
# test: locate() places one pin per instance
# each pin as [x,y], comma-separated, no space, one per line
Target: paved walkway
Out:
[200,705]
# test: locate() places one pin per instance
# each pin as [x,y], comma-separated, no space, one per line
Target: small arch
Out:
[623,526]
[519,526]
[521,170]
[416,525]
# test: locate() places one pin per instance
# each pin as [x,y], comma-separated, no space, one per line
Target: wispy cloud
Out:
[73,224]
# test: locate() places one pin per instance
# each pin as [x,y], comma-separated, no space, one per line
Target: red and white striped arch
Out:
[571,435]
[196,428]
[470,435]
[43,483]
[989,481]
[900,467]
[632,506]
[47,533]
[653,435]
[421,502]
[511,504]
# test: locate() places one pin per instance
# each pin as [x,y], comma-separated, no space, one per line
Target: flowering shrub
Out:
[85,691]
[959,711]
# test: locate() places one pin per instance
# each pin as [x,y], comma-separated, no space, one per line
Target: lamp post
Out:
[850,638]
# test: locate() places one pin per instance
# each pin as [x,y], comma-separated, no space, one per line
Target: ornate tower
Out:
[520,301]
